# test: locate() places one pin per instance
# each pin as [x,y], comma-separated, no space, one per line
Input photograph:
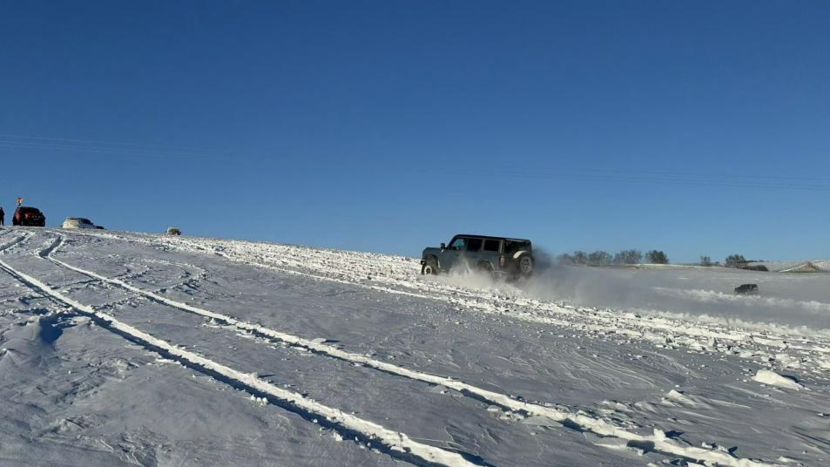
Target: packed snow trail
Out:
[658,441]
[397,444]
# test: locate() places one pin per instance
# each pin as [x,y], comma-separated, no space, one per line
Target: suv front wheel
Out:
[429,268]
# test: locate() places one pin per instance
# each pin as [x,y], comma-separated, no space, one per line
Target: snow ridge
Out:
[12,243]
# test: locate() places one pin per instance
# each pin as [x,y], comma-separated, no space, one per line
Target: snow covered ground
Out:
[131,349]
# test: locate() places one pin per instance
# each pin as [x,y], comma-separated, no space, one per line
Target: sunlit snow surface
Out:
[128,349]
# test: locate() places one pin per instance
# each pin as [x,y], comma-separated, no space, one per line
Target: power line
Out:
[601,175]
[125,149]
[44,139]
[633,177]
[136,153]
[712,175]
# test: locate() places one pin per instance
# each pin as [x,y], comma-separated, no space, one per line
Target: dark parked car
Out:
[747,289]
[29,216]
[501,256]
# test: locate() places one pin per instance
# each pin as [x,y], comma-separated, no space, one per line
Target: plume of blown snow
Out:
[797,302]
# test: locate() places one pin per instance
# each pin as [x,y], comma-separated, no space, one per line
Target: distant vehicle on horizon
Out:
[174,231]
[78,223]
[499,256]
[28,216]
[747,289]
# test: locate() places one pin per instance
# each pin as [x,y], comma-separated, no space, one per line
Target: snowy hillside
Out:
[776,266]
[129,349]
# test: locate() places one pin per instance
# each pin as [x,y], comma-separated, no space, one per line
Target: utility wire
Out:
[138,151]
[35,139]
[630,177]
[598,175]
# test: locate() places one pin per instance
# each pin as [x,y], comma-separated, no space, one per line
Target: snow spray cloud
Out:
[793,300]
[465,274]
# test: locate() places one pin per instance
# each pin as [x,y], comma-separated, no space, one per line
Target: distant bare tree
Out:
[657,257]
[599,258]
[628,257]
[705,261]
[580,257]
[565,259]
[736,261]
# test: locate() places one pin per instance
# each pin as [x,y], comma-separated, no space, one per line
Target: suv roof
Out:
[27,208]
[494,238]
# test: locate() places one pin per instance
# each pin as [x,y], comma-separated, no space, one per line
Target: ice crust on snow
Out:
[774,379]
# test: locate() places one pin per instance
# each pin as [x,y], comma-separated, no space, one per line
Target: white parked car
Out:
[78,223]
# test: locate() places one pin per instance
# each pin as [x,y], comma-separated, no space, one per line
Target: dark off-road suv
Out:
[507,257]
[28,216]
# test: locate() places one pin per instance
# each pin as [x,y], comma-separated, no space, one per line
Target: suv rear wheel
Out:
[526,265]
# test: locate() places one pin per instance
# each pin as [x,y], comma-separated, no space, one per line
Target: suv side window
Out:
[474,244]
[458,244]
[491,245]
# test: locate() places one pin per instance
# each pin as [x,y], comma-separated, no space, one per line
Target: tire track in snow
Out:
[564,415]
[396,444]
[12,243]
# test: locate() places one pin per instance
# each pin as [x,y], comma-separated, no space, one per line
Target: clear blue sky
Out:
[390,125]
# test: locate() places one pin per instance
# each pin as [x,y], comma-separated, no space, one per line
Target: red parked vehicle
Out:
[28,216]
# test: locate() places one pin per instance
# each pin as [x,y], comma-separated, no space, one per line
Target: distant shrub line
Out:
[603,258]
[631,257]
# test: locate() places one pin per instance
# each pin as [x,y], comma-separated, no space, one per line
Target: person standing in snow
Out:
[2,216]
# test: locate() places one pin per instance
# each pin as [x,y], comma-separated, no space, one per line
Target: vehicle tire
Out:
[430,268]
[526,265]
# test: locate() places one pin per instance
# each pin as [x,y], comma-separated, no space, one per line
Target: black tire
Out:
[525,265]
[430,268]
